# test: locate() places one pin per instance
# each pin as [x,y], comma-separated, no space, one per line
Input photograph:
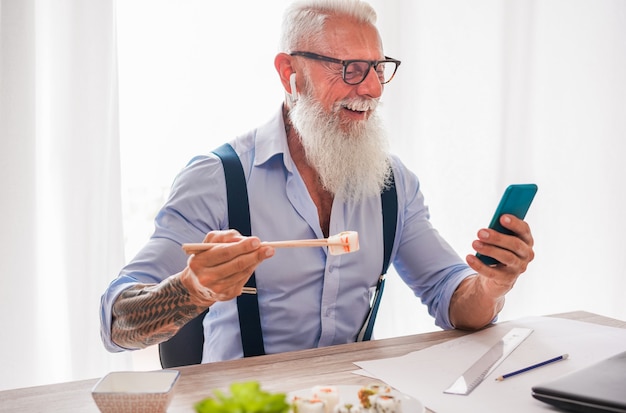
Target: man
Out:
[316,169]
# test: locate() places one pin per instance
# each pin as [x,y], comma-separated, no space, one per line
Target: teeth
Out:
[359,106]
[354,110]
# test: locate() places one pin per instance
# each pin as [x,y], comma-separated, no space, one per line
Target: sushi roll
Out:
[386,403]
[379,388]
[364,397]
[328,394]
[348,408]
[310,405]
[343,243]
[367,394]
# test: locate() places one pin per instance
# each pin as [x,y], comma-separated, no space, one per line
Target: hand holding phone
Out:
[515,201]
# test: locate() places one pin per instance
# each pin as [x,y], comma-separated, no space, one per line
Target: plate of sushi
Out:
[374,398]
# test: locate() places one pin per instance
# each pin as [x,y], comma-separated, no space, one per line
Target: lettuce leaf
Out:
[246,397]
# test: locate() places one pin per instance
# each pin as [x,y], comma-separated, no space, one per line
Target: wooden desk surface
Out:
[280,372]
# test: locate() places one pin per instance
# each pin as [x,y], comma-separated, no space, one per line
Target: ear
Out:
[284,67]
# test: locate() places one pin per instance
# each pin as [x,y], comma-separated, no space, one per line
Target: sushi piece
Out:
[386,403]
[328,394]
[308,405]
[343,243]
[379,388]
[366,394]
[348,408]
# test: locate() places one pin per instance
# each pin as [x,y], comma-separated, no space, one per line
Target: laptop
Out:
[601,387]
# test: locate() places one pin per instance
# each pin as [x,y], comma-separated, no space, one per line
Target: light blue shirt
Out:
[307,298]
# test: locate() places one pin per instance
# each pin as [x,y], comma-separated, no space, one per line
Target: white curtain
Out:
[495,92]
[490,92]
[61,237]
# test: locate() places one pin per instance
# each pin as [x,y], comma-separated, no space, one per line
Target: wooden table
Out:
[279,372]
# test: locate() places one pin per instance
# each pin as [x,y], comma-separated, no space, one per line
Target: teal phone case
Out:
[515,201]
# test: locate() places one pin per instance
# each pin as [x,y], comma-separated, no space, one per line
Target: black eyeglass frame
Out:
[345,63]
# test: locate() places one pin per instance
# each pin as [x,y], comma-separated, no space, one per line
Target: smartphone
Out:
[515,201]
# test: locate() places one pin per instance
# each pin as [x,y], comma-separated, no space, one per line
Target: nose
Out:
[371,86]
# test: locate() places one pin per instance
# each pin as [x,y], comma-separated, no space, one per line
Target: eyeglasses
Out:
[355,71]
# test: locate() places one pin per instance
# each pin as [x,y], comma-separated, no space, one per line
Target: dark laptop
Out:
[600,387]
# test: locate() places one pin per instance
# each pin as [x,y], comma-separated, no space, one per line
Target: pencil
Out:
[534,366]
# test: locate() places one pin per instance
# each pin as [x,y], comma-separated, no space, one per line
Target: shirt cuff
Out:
[442,319]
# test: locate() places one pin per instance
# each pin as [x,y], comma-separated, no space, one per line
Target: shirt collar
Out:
[271,140]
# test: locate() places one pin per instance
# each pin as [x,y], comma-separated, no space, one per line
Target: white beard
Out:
[351,159]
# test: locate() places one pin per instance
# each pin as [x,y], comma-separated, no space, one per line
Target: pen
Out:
[534,366]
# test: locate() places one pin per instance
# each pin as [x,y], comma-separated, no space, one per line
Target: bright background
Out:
[103,102]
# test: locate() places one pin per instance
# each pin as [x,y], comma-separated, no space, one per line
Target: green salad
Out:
[244,397]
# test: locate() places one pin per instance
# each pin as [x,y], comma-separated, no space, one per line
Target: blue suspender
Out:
[389,199]
[239,219]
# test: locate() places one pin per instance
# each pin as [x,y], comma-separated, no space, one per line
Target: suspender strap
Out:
[389,199]
[239,219]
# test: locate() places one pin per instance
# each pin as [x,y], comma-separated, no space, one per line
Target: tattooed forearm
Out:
[148,314]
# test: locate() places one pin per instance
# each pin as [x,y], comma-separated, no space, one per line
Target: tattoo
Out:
[148,314]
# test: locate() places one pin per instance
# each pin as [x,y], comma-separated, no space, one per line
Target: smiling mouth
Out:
[355,110]
[359,106]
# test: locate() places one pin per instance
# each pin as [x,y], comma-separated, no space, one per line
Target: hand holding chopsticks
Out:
[342,243]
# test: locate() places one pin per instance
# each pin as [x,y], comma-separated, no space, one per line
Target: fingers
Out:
[519,227]
[507,249]
[229,235]
[225,268]
[514,252]
[229,245]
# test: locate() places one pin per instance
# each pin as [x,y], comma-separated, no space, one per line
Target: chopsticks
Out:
[342,243]
[195,248]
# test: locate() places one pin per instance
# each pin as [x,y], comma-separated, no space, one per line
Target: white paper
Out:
[425,374]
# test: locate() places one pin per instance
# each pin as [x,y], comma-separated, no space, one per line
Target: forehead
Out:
[347,38]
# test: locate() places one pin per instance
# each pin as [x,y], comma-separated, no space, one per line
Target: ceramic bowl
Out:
[135,391]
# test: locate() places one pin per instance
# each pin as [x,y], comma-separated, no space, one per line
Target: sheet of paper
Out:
[363,373]
[426,373]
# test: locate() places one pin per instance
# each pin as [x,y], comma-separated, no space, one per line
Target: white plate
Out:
[349,394]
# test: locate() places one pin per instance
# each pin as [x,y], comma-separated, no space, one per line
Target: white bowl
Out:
[135,391]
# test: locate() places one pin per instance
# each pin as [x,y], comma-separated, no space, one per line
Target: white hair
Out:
[352,158]
[304,20]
